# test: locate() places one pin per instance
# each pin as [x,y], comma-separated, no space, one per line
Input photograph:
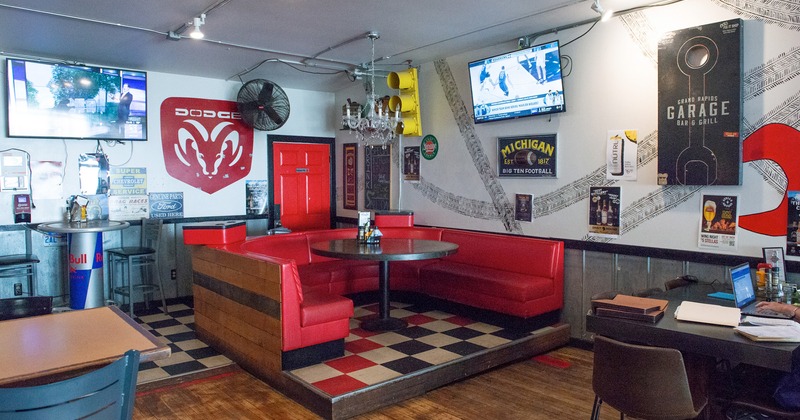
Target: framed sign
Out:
[377,177]
[350,179]
[774,256]
[531,156]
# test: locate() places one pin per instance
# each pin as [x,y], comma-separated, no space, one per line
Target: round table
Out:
[85,258]
[391,249]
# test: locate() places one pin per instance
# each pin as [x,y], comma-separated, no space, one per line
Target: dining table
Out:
[47,348]
[385,251]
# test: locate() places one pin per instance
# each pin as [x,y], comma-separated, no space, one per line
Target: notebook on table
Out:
[745,295]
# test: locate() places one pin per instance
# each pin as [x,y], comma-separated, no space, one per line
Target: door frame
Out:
[273,138]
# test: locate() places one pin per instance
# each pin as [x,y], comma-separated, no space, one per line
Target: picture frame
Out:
[532,156]
[774,256]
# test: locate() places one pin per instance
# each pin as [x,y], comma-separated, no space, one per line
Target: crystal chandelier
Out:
[374,125]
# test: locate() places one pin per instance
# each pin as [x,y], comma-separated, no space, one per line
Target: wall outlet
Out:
[17,289]
[173,274]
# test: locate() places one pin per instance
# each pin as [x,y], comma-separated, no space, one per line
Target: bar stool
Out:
[144,256]
[20,265]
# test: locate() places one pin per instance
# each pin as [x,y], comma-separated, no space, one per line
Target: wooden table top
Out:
[55,344]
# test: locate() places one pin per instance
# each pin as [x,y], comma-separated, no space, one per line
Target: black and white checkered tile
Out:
[189,355]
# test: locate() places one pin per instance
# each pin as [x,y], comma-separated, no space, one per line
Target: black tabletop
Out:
[705,339]
[389,249]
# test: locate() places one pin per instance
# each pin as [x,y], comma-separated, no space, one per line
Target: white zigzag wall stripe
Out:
[499,198]
[784,13]
[641,32]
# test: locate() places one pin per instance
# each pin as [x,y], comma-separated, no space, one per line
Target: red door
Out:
[303,184]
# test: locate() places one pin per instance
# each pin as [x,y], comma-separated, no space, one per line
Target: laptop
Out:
[744,293]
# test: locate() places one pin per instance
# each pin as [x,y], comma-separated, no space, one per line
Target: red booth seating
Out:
[302,292]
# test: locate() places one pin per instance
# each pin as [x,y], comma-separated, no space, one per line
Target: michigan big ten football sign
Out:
[206,144]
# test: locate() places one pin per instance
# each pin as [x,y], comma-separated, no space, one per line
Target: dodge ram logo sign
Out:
[205,142]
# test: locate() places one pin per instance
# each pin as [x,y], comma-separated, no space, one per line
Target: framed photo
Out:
[774,256]
[350,179]
[531,156]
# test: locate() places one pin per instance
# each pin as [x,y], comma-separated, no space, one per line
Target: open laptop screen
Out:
[742,283]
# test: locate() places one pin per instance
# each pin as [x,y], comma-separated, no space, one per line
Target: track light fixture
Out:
[604,14]
[198,22]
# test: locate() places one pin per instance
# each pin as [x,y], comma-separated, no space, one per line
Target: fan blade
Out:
[249,106]
[273,115]
[265,96]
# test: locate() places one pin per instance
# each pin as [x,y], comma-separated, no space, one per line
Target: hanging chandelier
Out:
[374,124]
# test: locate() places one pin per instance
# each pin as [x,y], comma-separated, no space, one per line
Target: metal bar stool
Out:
[144,256]
[20,265]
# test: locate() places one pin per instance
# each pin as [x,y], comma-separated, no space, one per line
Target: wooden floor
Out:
[529,389]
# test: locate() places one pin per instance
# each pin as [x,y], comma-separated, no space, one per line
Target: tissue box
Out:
[214,233]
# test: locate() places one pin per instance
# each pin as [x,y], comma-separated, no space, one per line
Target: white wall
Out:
[613,85]
[310,116]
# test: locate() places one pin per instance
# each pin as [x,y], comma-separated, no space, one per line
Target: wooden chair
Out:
[105,393]
[643,382]
[145,256]
[21,307]
[20,265]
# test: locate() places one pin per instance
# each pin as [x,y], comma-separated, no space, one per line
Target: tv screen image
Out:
[54,100]
[517,84]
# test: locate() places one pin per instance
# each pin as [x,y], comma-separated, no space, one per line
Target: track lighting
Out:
[198,22]
[604,14]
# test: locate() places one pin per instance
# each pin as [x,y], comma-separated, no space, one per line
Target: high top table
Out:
[387,250]
[85,258]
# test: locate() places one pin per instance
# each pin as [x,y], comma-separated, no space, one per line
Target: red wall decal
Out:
[778,143]
[205,142]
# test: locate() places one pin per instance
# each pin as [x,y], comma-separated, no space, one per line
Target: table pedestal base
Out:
[383,324]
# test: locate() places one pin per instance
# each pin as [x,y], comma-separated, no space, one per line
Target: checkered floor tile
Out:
[432,337]
[189,354]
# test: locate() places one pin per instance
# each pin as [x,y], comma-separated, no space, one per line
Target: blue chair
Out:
[105,393]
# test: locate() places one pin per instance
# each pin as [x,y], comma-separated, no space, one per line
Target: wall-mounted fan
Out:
[263,104]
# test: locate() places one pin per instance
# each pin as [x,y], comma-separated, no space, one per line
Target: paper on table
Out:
[785,333]
[757,320]
[708,314]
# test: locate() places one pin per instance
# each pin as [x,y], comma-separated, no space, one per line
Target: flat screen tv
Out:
[517,84]
[65,101]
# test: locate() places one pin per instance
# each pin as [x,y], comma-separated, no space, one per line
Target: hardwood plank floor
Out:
[560,387]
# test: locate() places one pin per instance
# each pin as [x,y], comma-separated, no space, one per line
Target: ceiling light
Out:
[604,14]
[373,124]
[198,22]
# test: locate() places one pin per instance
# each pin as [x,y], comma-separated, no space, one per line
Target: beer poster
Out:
[411,163]
[699,105]
[793,224]
[527,156]
[718,223]
[604,208]
[621,154]
[523,208]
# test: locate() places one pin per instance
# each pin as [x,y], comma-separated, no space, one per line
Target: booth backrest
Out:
[327,235]
[434,234]
[290,246]
[543,258]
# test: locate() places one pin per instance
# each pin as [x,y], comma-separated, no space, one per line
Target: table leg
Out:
[384,322]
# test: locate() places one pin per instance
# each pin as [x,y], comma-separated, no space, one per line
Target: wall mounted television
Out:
[66,101]
[517,84]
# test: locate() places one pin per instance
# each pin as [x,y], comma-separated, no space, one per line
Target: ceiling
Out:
[245,39]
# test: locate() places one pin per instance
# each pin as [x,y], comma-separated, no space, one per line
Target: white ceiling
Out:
[241,34]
